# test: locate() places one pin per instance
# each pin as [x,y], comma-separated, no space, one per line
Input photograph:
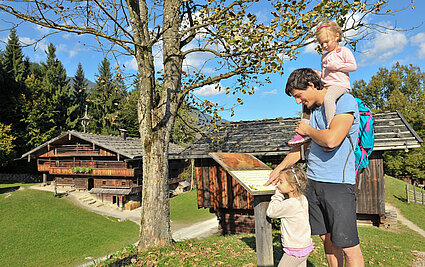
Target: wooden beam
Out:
[263,231]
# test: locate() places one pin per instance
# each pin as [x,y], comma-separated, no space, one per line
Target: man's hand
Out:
[303,128]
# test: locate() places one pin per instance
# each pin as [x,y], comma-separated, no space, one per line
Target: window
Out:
[104,182]
[123,183]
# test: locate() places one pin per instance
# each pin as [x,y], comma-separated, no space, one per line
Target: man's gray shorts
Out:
[332,209]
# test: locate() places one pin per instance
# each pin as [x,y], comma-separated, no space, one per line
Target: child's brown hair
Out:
[296,176]
[328,25]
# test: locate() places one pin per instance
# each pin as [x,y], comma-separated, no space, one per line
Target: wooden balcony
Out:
[43,167]
[94,172]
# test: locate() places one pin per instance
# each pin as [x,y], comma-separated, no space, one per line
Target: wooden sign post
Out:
[252,174]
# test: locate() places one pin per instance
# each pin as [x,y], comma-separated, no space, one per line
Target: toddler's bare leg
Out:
[332,94]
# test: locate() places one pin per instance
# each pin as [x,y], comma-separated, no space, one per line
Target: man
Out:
[331,171]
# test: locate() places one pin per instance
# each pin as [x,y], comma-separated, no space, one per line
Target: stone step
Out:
[99,205]
[91,202]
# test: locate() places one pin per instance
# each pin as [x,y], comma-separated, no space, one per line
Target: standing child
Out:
[290,206]
[335,64]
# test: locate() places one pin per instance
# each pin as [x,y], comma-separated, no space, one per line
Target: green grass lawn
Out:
[380,246]
[14,185]
[395,193]
[37,229]
[184,209]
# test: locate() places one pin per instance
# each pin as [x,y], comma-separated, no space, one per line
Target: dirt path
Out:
[179,231]
[404,220]
[420,255]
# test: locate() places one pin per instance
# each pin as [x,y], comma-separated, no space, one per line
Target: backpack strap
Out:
[348,157]
[365,113]
[345,165]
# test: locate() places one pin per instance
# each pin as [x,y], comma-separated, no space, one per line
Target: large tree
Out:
[14,68]
[236,45]
[79,96]
[48,104]
[401,88]
[105,98]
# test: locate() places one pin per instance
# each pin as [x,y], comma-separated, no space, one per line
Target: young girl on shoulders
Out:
[336,64]
[290,206]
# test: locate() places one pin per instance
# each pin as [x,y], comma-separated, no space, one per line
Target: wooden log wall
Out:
[371,195]
[116,183]
[64,181]
[224,196]
[235,221]
[218,189]
[79,183]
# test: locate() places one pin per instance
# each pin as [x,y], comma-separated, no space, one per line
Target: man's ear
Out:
[311,85]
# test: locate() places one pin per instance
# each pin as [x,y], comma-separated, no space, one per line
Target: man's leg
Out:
[333,253]
[353,256]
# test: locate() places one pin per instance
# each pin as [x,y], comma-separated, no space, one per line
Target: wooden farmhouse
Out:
[109,167]
[267,140]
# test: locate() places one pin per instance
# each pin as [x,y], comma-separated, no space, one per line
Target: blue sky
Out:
[269,101]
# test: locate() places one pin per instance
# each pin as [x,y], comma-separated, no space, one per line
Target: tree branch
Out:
[42,21]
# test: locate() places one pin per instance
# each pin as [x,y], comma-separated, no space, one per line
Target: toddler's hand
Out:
[274,177]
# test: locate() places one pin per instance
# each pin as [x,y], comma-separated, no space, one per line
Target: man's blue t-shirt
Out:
[329,166]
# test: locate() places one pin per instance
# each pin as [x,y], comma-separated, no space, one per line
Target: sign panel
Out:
[249,171]
[254,180]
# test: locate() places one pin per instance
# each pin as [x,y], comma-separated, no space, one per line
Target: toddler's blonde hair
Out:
[329,26]
[295,176]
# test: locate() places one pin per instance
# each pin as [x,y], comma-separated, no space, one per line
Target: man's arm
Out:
[293,157]
[332,137]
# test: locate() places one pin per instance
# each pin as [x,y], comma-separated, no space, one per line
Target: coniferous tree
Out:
[13,93]
[105,99]
[14,62]
[56,85]
[79,96]
[49,102]
[39,112]
[128,113]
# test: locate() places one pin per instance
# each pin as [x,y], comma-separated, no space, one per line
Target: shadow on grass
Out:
[61,195]
[9,189]
[277,247]
[402,199]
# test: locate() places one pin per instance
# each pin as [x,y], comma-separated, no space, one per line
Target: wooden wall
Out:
[115,183]
[224,196]
[79,183]
[217,189]
[371,195]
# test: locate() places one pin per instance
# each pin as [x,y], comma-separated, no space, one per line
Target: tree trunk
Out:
[155,223]
[156,111]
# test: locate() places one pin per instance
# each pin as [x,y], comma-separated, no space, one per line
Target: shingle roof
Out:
[270,136]
[129,147]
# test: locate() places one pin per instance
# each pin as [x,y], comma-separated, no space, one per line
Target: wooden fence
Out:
[415,194]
